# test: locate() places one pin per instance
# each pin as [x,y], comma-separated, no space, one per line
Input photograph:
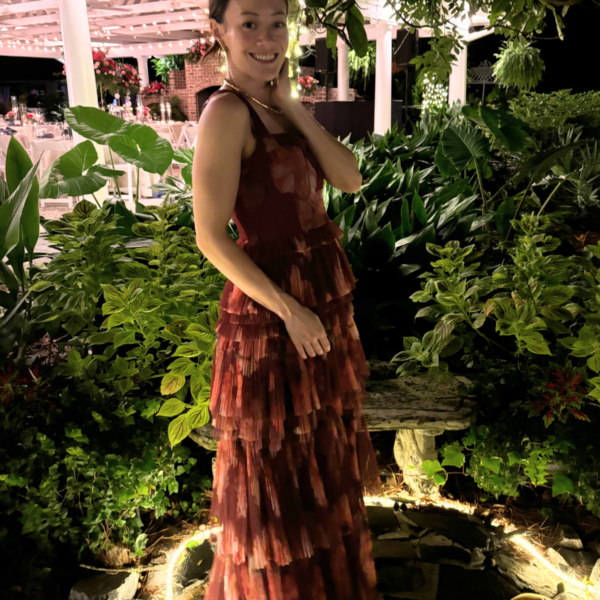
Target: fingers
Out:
[318,346]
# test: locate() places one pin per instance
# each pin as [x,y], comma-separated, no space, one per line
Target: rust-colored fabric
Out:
[294,456]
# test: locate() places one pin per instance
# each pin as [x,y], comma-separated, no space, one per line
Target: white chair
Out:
[50,151]
[177,131]
[191,133]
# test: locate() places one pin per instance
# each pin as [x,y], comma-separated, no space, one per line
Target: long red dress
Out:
[294,455]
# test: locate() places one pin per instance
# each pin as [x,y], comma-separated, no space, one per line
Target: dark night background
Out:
[572,63]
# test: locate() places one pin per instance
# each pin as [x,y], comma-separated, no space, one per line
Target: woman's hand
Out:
[306,331]
[281,91]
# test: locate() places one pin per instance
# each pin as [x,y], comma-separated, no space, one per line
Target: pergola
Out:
[68,29]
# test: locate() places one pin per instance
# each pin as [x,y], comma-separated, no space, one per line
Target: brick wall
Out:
[197,76]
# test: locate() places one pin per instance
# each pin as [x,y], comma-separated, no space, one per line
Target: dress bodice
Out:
[280,193]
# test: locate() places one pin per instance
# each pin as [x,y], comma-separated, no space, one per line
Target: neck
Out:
[261,90]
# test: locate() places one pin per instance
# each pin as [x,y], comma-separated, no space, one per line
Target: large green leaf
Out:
[94,124]
[136,144]
[356,32]
[463,144]
[504,213]
[143,148]
[66,175]
[18,165]
[539,164]
[11,211]
[185,156]
[4,193]
[506,128]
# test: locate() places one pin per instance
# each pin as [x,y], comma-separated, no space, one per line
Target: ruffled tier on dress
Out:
[294,454]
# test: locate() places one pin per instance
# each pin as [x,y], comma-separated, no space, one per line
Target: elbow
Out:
[357,184]
[206,240]
[353,185]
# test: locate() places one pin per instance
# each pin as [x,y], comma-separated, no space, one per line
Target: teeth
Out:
[264,56]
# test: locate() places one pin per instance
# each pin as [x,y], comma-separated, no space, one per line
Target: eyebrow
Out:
[279,12]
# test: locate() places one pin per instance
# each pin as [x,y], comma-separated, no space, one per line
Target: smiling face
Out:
[255,34]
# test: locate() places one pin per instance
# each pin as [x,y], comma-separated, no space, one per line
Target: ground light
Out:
[519,539]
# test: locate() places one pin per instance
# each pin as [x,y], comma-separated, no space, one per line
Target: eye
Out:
[282,23]
[247,23]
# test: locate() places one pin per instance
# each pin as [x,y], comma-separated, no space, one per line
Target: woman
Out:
[288,375]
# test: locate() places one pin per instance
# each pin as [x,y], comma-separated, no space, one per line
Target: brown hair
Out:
[216,11]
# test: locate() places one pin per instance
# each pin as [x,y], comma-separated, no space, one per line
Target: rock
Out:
[595,576]
[455,584]
[565,536]
[194,569]
[477,559]
[380,369]
[581,561]
[459,529]
[203,436]
[403,550]
[381,519]
[429,575]
[437,548]
[529,574]
[394,535]
[120,586]
[400,579]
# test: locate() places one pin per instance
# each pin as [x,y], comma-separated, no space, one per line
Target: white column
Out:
[343,71]
[81,79]
[383,78]
[143,71]
[457,87]
[457,91]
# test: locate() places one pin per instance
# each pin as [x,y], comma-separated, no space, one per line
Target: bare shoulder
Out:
[225,118]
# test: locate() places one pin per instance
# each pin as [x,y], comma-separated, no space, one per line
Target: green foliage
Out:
[361,68]
[148,311]
[519,65]
[171,62]
[547,115]
[502,324]
[436,63]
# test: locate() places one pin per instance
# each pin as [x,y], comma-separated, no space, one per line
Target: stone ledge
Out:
[417,402]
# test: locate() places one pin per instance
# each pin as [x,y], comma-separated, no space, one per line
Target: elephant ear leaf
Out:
[11,212]
[18,165]
[142,147]
[66,175]
[94,124]
[509,130]
[185,156]
[463,144]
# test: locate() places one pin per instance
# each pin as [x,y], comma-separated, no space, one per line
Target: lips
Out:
[260,57]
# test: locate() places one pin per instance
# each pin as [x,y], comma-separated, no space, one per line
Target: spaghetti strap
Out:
[258,123]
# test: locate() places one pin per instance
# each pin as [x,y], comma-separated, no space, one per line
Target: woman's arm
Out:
[337,161]
[222,131]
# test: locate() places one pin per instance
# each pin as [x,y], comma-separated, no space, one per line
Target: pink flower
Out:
[122,72]
[98,71]
[126,85]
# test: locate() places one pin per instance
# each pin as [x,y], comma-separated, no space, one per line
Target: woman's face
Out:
[255,34]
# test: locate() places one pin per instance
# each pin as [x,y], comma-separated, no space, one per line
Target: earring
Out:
[223,67]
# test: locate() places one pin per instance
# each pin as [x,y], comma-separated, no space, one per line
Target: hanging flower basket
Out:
[129,79]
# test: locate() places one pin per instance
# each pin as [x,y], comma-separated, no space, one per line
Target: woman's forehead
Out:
[257,8]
